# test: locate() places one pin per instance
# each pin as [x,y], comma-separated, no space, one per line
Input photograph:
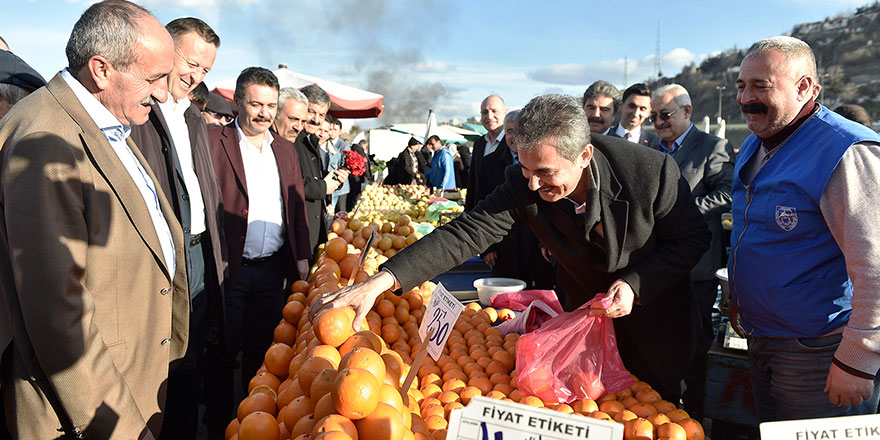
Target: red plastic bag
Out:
[519,301]
[535,315]
[572,356]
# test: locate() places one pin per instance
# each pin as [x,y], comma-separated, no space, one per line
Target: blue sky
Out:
[445,54]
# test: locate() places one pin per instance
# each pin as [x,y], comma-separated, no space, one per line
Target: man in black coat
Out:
[618,218]
[407,166]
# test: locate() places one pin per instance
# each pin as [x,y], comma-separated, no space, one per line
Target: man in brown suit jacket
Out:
[95,303]
[265,218]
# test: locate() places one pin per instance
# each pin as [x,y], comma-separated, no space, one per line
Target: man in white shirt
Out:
[92,273]
[636,108]
[267,235]
[174,141]
[601,103]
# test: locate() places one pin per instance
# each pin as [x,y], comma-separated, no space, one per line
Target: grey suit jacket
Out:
[706,163]
[92,316]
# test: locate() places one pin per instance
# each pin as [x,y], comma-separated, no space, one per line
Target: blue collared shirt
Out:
[663,148]
[116,134]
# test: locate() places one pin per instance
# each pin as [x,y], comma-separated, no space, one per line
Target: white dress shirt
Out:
[116,134]
[173,114]
[265,229]
[491,145]
[634,133]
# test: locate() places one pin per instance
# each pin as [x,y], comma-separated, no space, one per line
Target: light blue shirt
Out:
[442,174]
[665,149]
[116,134]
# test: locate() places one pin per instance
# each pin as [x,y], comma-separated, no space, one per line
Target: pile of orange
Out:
[323,380]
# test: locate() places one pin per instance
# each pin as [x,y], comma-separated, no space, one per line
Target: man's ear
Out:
[807,87]
[585,156]
[101,71]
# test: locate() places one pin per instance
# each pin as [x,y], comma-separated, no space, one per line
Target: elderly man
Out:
[265,219]
[174,141]
[95,302]
[618,218]
[803,263]
[318,183]
[601,103]
[17,80]
[293,110]
[218,111]
[442,173]
[706,164]
[636,108]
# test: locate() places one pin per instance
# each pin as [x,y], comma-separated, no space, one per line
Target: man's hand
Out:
[490,257]
[546,254]
[624,297]
[302,266]
[360,296]
[733,315]
[844,389]
[331,182]
[342,174]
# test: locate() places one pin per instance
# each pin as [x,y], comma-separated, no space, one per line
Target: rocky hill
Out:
[847,49]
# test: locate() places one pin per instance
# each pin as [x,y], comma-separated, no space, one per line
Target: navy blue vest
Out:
[787,274]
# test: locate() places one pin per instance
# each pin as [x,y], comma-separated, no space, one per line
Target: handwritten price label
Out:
[440,317]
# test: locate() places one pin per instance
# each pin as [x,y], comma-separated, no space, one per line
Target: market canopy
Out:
[345,101]
[447,133]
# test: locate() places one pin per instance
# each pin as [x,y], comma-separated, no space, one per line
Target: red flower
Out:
[355,162]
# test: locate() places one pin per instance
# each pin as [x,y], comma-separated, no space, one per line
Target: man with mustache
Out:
[317,182]
[618,218]
[706,164]
[636,108]
[93,277]
[601,103]
[174,141]
[264,219]
[803,266]
[293,111]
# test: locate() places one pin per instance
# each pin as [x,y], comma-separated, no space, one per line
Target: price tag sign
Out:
[493,419]
[440,316]
[852,427]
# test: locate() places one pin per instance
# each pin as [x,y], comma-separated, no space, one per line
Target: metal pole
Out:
[720,90]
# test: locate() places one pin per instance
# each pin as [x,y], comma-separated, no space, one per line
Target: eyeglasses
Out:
[664,116]
[223,118]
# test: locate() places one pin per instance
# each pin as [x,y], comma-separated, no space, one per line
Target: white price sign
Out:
[852,427]
[439,318]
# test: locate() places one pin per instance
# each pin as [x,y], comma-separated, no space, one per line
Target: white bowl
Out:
[489,287]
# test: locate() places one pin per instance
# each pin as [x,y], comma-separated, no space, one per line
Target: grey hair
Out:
[790,47]
[511,116]
[603,88]
[108,29]
[679,94]
[316,95]
[12,93]
[290,93]
[550,118]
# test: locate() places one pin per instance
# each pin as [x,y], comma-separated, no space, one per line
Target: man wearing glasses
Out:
[218,111]
[706,163]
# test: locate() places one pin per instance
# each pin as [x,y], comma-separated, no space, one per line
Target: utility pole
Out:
[720,91]
[625,68]
[657,71]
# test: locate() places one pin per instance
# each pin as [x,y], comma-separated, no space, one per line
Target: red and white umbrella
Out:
[345,101]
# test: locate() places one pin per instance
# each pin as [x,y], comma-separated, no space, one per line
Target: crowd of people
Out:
[150,228]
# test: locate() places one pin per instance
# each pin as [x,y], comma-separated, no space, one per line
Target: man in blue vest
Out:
[803,263]
[442,174]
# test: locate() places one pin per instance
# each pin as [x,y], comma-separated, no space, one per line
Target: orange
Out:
[299,286]
[324,407]
[327,352]
[310,369]
[677,415]
[600,415]
[664,406]
[454,385]
[337,248]
[436,422]
[433,410]
[384,423]
[532,401]
[285,333]
[468,393]
[256,402]
[264,378]
[259,426]
[647,396]
[608,396]
[431,390]
[333,326]
[292,311]
[658,419]
[638,429]
[348,264]
[563,407]
[303,426]
[287,391]
[503,388]
[625,416]
[335,422]
[390,333]
[643,410]
[322,384]
[611,407]
[277,359]
[363,338]
[628,401]
[355,393]
[693,429]
[584,406]
[231,429]
[671,431]
[366,359]
[331,435]
[297,409]
[451,406]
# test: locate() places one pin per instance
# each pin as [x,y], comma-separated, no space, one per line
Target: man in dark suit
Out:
[265,217]
[636,108]
[618,218]
[490,157]
[358,182]
[174,141]
[407,165]
[706,163]
[317,182]
[601,103]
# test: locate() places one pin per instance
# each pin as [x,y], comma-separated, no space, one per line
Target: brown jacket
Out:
[90,317]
